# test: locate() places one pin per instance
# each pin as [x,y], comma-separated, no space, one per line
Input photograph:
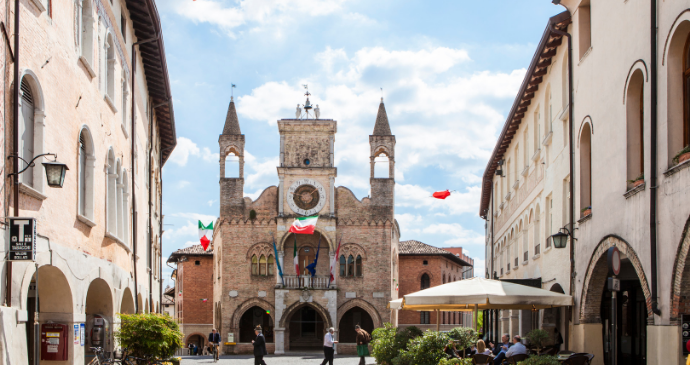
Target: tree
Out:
[537,338]
[465,336]
[149,336]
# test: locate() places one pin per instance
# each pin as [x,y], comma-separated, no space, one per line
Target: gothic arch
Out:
[323,233]
[591,295]
[260,248]
[586,120]
[428,273]
[679,269]
[382,150]
[637,65]
[353,249]
[232,149]
[249,303]
[292,309]
[194,334]
[361,303]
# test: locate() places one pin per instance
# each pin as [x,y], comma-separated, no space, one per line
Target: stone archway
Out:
[355,316]
[363,304]
[127,304]
[304,325]
[681,275]
[99,306]
[590,299]
[235,324]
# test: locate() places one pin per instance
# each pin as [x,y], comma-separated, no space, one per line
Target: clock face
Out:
[306,196]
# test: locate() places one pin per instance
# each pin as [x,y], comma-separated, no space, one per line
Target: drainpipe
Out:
[572,167]
[653,163]
[160,219]
[134,190]
[150,206]
[15,138]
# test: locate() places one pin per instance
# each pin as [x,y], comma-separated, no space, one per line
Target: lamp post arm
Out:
[30,163]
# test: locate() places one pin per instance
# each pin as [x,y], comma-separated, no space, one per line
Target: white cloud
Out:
[460,235]
[186,147]
[256,13]
[210,202]
[195,216]
[182,184]
[190,229]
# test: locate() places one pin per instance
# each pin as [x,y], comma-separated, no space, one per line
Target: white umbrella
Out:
[477,294]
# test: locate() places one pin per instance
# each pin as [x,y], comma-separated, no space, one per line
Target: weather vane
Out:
[232,91]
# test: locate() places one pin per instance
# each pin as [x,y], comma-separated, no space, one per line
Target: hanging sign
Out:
[22,239]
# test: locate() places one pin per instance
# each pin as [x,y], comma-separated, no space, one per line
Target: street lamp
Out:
[560,239]
[55,173]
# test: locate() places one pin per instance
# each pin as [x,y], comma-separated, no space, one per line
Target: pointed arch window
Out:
[585,167]
[262,265]
[343,266]
[86,174]
[110,68]
[255,265]
[425,282]
[271,262]
[358,266]
[30,131]
[350,266]
[635,126]
[85,30]
[118,202]
[111,201]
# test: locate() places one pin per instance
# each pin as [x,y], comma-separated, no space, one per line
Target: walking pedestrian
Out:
[259,347]
[328,349]
[363,338]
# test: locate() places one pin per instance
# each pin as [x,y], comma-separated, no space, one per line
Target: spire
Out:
[382,128]
[232,124]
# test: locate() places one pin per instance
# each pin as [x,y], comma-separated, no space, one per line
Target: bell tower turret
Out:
[231,143]
[382,143]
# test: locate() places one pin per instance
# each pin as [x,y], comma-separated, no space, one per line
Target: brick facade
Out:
[247,229]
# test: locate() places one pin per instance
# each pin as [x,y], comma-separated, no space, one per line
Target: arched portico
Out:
[304,325]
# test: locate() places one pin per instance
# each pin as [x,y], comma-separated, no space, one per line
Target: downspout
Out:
[15,147]
[150,227]
[150,177]
[134,190]
[653,164]
[572,167]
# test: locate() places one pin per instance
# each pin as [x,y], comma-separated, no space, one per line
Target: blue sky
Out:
[449,72]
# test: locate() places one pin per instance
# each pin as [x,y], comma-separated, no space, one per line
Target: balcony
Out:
[516,262]
[548,242]
[525,170]
[296,282]
[508,267]
[537,249]
[526,256]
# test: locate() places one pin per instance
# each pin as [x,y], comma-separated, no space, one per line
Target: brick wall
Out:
[411,270]
[197,285]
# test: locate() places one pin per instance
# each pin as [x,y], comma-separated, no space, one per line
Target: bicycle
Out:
[214,347]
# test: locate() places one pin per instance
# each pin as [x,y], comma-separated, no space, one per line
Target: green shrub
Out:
[150,336]
[538,338]
[424,350]
[467,361]
[465,337]
[388,341]
[541,360]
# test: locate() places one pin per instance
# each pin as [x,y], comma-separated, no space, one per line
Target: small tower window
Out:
[197,263]
[307,162]
[425,262]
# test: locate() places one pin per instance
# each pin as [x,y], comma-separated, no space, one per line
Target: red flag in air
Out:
[441,194]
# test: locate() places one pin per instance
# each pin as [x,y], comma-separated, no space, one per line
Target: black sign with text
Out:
[22,239]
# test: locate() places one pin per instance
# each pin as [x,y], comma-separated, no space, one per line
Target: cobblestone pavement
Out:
[314,358]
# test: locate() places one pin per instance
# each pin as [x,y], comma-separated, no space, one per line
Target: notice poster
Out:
[82,334]
[76,334]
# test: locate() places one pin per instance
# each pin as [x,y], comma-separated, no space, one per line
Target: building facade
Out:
[193,293]
[295,310]
[422,266]
[630,184]
[525,188]
[98,237]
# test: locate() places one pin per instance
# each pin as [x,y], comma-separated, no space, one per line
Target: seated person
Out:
[450,350]
[517,348]
[481,348]
[503,348]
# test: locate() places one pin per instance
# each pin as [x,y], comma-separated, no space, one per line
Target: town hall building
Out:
[295,310]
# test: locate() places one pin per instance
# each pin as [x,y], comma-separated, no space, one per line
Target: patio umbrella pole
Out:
[438,320]
[476,317]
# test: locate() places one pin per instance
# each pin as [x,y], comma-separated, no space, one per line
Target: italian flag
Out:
[205,234]
[304,225]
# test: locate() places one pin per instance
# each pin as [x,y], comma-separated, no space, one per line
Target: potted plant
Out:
[637,181]
[537,338]
[586,211]
[682,156]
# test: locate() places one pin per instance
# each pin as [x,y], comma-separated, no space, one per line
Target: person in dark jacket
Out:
[362,340]
[259,347]
[214,341]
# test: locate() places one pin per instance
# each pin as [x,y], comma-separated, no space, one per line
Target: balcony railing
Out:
[526,256]
[294,282]
[537,249]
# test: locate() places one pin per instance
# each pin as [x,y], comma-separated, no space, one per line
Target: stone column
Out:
[279,338]
[331,198]
[280,195]
[282,150]
[331,141]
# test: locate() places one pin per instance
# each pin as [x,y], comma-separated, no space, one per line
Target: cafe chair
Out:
[579,359]
[549,351]
[479,359]
[513,360]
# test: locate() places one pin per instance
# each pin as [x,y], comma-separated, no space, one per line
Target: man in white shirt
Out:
[328,350]
[517,348]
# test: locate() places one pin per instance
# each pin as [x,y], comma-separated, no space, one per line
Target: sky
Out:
[448,72]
